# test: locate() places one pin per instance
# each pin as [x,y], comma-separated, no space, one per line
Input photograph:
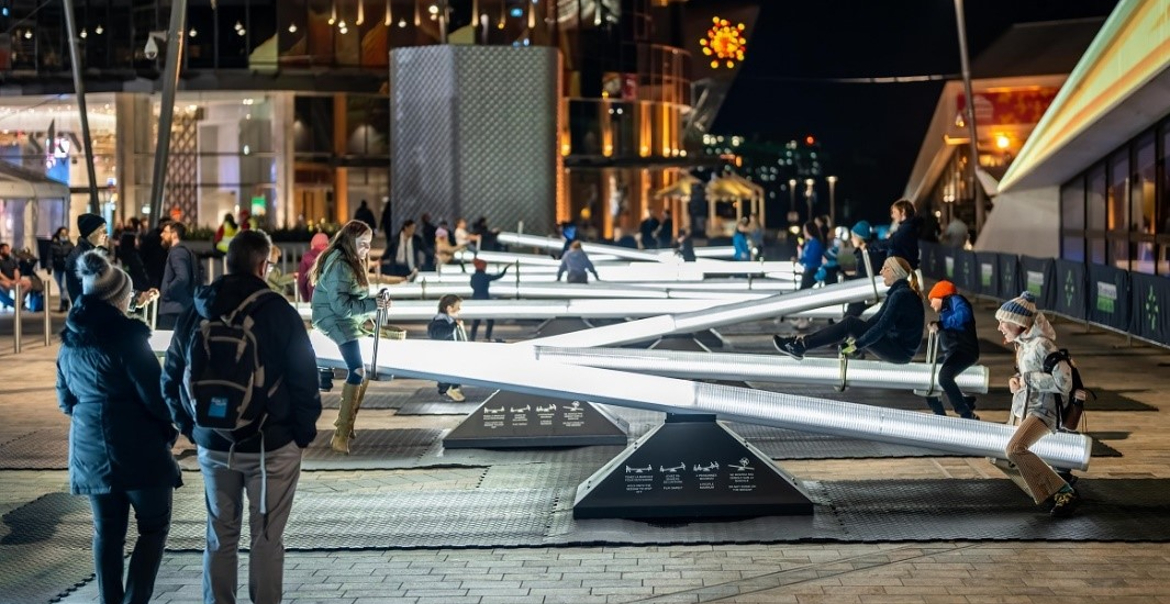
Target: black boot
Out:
[935,405]
[970,400]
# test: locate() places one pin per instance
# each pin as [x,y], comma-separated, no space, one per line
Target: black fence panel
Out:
[987,267]
[1037,276]
[1150,306]
[1070,298]
[1009,276]
[966,274]
[1109,297]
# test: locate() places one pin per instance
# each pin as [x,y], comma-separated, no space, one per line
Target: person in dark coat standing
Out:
[180,278]
[481,283]
[120,434]
[366,215]
[132,261]
[92,229]
[903,243]
[60,248]
[154,253]
[958,346]
[266,468]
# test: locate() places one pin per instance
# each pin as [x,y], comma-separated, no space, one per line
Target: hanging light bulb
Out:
[83,35]
[389,18]
[503,16]
[292,28]
[342,25]
[239,26]
[531,16]
[361,18]
[333,14]
[193,33]
[241,31]
[474,11]
[98,30]
[402,23]
[417,17]
[28,34]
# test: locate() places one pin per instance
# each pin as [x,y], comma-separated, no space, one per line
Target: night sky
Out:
[871,132]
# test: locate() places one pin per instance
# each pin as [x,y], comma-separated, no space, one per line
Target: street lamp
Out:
[832,199]
[808,195]
[970,117]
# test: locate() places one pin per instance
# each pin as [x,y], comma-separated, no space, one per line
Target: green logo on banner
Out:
[986,272]
[1152,309]
[1106,297]
[1070,288]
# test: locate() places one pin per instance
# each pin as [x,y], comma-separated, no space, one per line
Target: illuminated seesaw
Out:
[531,264]
[518,369]
[627,277]
[506,288]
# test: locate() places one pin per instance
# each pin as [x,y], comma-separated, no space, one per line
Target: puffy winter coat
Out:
[340,303]
[120,433]
[1038,396]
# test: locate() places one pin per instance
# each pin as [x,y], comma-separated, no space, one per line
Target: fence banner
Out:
[1036,276]
[1070,298]
[931,260]
[987,268]
[1009,276]
[1108,297]
[1150,305]
[966,273]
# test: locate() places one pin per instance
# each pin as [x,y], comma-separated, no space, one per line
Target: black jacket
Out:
[956,328]
[72,281]
[180,278]
[876,258]
[132,262]
[120,435]
[903,243]
[61,249]
[481,283]
[285,352]
[900,320]
[154,256]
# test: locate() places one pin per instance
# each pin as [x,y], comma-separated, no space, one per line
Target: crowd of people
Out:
[127,412]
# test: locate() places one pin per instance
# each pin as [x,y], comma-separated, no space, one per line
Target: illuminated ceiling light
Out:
[1002,141]
[333,14]
[389,18]
[361,17]
[342,25]
[292,28]
[193,32]
[402,23]
[83,35]
[241,31]
[724,43]
[28,34]
[433,9]
[239,26]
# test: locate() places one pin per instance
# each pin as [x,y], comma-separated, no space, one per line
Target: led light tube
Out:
[550,243]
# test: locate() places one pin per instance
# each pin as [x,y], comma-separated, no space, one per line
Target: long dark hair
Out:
[345,242]
[811,228]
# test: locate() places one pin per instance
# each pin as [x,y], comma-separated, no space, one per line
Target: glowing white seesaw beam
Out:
[765,368]
[515,368]
[525,259]
[736,312]
[550,243]
[627,277]
[424,310]
[505,289]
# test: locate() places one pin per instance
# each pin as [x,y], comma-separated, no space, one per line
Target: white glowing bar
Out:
[550,243]
[766,368]
[515,368]
[728,314]
[630,277]
[424,310]
[554,290]
[523,259]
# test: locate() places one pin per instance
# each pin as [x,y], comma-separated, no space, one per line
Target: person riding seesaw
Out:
[892,335]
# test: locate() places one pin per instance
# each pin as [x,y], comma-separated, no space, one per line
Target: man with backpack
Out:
[241,381]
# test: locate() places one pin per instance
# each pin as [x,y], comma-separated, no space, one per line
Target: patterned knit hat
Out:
[1020,311]
[942,289]
[102,280]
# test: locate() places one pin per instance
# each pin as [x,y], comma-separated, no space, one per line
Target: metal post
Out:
[211,268]
[79,87]
[176,40]
[45,308]
[17,306]
[973,132]
[832,200]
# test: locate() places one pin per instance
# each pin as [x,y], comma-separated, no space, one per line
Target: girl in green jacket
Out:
[341,304]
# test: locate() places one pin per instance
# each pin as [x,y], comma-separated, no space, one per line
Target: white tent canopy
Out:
[18,183]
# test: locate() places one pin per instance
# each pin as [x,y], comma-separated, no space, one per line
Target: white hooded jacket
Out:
[1037,397]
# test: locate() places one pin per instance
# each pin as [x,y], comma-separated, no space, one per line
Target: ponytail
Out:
[901,269]
[914,285]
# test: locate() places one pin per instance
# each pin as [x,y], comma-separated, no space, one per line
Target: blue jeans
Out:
[111,517]
[59,277]
[351,352]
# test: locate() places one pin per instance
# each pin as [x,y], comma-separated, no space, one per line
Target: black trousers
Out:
[852,327]
[111,517]
[491,324]
[952,366]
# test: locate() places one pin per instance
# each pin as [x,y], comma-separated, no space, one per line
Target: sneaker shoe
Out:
[1064,503]
[456,395]
[970,400]
[789,346]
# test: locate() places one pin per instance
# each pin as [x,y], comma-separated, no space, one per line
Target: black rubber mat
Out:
[38,573]
[372,449]
[440,408]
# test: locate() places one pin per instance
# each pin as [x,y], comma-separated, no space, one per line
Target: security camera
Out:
[155,42]
[151,50]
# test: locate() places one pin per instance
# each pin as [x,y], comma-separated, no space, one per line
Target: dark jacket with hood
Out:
[903,243]
[120,434]
[481,284]
[900,320]
[285,352]
[956,328]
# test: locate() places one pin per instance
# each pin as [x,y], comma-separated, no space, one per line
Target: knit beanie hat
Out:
[942,289]
[1020,311]
[102,280]
[88,223]
[862,230]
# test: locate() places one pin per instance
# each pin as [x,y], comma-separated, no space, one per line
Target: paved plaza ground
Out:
[376,530]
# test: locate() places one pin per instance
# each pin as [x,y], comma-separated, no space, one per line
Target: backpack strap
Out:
[247,306]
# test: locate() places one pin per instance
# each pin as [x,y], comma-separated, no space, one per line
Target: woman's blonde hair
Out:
[911,276]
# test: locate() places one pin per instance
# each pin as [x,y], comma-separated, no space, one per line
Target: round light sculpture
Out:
[725,43]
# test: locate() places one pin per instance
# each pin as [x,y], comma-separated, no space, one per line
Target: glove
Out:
[849,348]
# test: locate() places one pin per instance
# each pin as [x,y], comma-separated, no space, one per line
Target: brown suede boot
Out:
[361,397]
[345,415]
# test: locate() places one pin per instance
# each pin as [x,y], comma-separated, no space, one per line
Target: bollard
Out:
[17,306]
[210,268]
[223,268]
[152,313]
[45,309]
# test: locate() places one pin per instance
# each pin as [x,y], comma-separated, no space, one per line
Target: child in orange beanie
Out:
[958,346]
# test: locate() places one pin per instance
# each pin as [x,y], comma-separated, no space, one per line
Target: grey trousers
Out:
[226,478]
